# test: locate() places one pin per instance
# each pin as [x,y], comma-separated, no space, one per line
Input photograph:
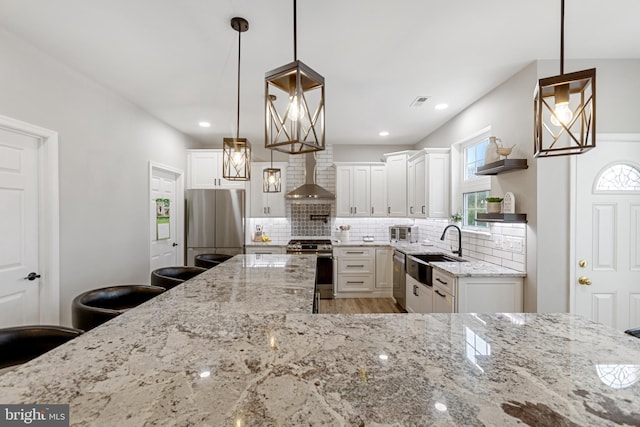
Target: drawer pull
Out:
[442,295]
[438,279]
[356,266]
[360,282]
[355,252]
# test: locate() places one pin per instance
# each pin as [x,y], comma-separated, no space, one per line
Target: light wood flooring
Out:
[358,306]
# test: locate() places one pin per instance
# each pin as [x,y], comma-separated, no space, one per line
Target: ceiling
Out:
[177,59]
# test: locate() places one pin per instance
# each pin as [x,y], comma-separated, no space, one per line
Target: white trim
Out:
[48,216]
[178,209]
[573,197]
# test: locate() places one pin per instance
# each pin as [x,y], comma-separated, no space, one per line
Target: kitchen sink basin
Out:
[438,258]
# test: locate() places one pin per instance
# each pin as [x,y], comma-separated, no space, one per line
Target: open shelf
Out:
[501,166]
[501,217]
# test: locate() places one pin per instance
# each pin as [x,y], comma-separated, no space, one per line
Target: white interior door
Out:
[607,235]
[166,238]
[19,207]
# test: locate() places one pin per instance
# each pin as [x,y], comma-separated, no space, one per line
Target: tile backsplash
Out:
[311,219]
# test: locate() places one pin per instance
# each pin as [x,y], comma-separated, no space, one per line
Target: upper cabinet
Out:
[266,204]
[396,190]
[204,170]
[379,190]
[353,187]
[428,183]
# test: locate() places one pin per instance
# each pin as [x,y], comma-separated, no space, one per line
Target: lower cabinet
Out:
[476,294]
[363,271]
[384,268]
[419,296]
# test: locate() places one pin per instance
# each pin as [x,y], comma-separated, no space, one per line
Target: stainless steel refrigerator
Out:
[215,222]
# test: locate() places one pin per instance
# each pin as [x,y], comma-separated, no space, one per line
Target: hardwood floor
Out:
[358,306]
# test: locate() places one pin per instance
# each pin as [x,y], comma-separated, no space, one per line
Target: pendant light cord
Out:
[561,37]
[295,31]
[238,111]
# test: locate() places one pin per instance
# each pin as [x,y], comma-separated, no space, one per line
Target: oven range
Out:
[323,249]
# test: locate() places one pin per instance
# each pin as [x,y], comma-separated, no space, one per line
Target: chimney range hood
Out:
[310,190]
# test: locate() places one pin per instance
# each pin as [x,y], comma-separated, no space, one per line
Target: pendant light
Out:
[294,97]
[565,110]
[271,179]
[236,152]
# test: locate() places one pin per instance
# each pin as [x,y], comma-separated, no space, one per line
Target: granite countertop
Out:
[198,358]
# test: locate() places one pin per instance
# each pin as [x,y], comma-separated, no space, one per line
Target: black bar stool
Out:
[210,260]
[93,308]
[170,277]
[20,344]
[635,332]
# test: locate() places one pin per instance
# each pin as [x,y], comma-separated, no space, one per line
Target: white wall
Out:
[106,144]
[365,153]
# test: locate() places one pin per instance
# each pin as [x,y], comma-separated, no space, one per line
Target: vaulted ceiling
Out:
[177,59]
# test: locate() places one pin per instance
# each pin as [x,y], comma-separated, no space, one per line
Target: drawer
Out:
[444,281]
[355,283]
[355,251]
[348,265]
[264,250]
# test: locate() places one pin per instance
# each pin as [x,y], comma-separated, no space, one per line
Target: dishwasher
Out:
[399,278]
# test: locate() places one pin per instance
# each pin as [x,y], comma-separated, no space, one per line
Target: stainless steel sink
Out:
[438,258]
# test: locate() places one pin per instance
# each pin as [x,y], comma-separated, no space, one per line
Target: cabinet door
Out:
[361,194]
[425,299]
[397,185]
[412,304]
[384,268]
[411,188]
[419,198]
[276,203]
[378,191]
[490,295]
[203,168]
[344,188]
[443,302]
[258,199]
[438,179]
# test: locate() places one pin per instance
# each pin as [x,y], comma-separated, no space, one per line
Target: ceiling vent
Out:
[419,101]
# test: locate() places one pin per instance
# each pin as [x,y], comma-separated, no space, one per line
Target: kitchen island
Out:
[238,346]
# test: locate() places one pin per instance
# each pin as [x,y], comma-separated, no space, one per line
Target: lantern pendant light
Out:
[271,179]
[565,110]
[236,152]
[294,105]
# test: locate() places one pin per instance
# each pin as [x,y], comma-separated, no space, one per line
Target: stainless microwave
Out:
[403,233]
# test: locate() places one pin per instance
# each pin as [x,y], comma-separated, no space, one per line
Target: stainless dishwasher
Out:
[399,278]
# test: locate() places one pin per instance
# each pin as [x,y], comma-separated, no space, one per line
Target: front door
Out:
[20,272]
[607,242]
[165,210]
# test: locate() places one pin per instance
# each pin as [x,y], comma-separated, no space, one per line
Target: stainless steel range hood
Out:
[310,190]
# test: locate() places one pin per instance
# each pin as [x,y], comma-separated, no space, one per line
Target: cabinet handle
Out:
[389,209]
[371,210]
[360,282]
[264,210]
[355,252]
[355,209]
[438,279]
[359,265]
[423,208]
[442,295]
[269,210]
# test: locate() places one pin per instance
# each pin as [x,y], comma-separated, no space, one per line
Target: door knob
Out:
[32,276]
[582,263]
[174,244]
[583,280]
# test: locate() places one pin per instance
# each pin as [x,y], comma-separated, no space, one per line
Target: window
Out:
[619,178]
[472,189]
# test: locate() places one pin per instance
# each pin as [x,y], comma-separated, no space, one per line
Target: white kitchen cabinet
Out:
[355,269]
[353,189]
[384,268]
[379,191]
[428,184]
[265,250]
[419,297]
[204,170]
[266,204]
[397,183]
[476,294]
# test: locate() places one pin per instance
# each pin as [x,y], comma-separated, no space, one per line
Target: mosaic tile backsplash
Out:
[311,219]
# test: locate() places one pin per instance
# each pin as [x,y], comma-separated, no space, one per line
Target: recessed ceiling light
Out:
[384,133]
[441,106]
[204,124]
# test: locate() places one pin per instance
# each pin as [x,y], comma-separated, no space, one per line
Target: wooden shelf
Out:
[500,217]
[501,166]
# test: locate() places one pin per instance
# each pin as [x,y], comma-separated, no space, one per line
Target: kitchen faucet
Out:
[444,232]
